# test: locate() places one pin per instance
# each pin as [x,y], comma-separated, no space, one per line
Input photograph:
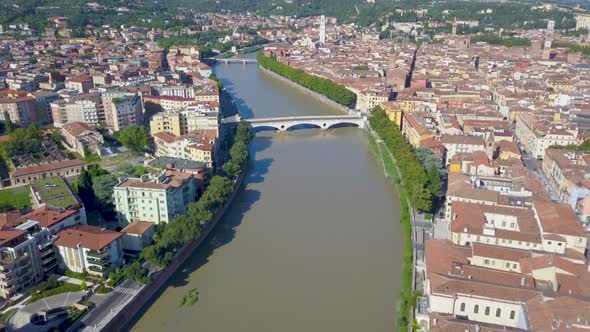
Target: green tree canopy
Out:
[134,138]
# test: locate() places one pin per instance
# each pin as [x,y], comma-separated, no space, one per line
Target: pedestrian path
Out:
[124,290]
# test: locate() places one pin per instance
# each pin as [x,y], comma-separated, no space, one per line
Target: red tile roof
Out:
[86,236]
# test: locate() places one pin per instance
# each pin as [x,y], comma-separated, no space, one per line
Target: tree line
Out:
[186,228]
[326,87]
[418,184]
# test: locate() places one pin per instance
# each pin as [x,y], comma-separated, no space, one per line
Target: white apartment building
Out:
[582,21]
[193,146]
[536,135]
[200,117]
[88,248]
[85,111]
[460,144]
[157,199]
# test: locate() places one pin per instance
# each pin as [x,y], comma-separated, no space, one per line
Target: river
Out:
[311,243]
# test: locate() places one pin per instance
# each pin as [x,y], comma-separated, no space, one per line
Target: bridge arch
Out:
[343,124]
[303,125]
[265,127]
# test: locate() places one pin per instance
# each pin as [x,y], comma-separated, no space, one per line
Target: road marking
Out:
[124,290]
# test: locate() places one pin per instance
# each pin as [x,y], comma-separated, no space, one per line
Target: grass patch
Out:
[116,160]
[55,192]
[190,298]
[6,315]
[17,198]
[406,297]
[102,289]
[54,288]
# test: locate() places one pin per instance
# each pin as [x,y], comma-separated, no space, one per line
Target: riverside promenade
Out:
[122,314]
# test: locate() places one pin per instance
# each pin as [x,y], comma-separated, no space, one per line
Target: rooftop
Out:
[54,191]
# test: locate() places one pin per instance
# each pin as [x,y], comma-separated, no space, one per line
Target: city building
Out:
[122,109]
[65,168]
[137,235]
[156,199]
[82,138]
[89,249]
[21,109]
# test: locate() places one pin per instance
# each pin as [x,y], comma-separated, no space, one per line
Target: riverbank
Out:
[308,91]
[391,171]
[130,312]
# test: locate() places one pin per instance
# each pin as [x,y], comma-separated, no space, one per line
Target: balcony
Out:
[97,254]
[98,261]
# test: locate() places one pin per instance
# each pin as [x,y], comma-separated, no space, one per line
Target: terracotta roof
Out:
[452,287]
[85,236]
[462,139]
[77,128]
[47,167]
[9,235]
[9,218]
[498,252]
[137,227]
[530,264]
[564,313]
[47,217]
[469,218]
[448,323]
[558,218]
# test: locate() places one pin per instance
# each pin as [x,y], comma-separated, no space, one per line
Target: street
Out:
[105,304]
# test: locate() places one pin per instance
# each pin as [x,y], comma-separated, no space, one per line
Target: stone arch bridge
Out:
[286,123]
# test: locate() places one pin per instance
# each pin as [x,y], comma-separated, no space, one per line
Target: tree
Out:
[103,187]
[136,272]
[231,168]
[244,132]
[239,153]
[85,191]
[55,136]
[134,138]
[434,182]
[8,126]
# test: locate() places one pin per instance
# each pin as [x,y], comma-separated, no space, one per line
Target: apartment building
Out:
[137,235]
[86,108]
[26,255]
[568,174]
[537,134]
[393,111]
[169,122]
[582,21]
[82,84]
[461,144]
[122,109]
[89,249]
[21,109]
[196,146]
[157,199]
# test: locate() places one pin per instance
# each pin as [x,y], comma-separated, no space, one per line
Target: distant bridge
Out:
[233,60]
[286,123]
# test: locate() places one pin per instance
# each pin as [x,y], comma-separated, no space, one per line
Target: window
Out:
[462,307]
[486,261]
[507,265]
[476,309]
[512,314]
[498,312]
[487,312]
[514,265]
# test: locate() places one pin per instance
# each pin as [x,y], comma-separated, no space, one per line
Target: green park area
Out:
[15,198]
